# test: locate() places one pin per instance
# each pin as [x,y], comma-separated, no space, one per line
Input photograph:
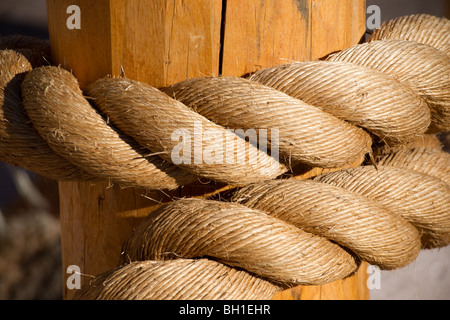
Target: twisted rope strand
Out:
[141,111]
[422,28]
[419,198]
[307,134]
[366,228]
[200,279]
[20,143]
[431,161]
[420,67]
[362,96]
[286,232]
[74,129]
[238,236]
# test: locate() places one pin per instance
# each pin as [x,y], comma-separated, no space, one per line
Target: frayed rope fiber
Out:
[377,105]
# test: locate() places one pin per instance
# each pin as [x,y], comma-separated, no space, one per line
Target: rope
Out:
[421,199]
[433,162]
[362,96]
[422,28]
[380,98]
[199,279]
[422,68]
[20,144]
[78,132]
[238,103]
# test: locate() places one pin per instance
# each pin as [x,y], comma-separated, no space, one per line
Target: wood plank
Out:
[350,288]
[336,25]
[95,220]
[156,42]
[86,51]
[265,33]
[162,42]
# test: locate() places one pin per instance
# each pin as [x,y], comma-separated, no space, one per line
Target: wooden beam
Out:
[162,42]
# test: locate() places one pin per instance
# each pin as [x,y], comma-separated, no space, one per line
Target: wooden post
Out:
[165,41]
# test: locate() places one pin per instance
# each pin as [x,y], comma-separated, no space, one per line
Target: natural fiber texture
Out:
[430,141]
[180,279]
[420,67]
[286,232]
[315,138]
[20,143]
[74,129]
[37,51]
[302,136]
[433,162]
[423,28]
[421,199]
[238,236]
[12,42]
[141,112]
[376,235]
[362,96]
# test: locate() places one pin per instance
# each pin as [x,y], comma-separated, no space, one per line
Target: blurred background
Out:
[30,260]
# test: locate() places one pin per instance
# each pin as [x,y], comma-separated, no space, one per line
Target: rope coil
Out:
[362,96]
[279,233]
[420,67]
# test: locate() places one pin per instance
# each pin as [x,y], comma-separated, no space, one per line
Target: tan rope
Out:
[296,142]
[420,67]
[274,233]
[421,199]
[287,253]
[20,143]
[423,28]
[241,237]
[431,161]
[76,131]
[362,96]
[141,111]
[199,279]
[237,103]
[366,228]
[429,141]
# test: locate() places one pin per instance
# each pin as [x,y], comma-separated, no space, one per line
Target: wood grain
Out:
[335,25]
[155,41]
[86,51]
[260,34]
[162,42]
[165,41]
[265,33]
[351,288]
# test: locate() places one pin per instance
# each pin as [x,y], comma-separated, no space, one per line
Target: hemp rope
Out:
[422,28]
[433,162]
[359,95]
[238,103]
[421,199]
[20,144]
[422,68]
[279,232]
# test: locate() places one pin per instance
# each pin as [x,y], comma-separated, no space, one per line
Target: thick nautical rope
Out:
[381,97]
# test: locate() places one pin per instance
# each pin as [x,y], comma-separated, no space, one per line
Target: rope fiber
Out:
[378,105]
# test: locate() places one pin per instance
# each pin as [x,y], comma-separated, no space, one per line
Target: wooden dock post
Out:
[162,42]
